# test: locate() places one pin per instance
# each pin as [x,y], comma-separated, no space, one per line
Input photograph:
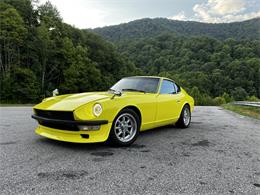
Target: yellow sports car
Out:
[132,105]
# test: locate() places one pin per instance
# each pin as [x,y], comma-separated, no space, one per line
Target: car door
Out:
[168,101]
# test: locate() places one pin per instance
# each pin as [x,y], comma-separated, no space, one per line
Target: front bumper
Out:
[76,136]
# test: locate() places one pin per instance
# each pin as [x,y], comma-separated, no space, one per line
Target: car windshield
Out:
[141,84]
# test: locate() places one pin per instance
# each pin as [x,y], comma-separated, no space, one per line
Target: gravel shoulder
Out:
[218,154]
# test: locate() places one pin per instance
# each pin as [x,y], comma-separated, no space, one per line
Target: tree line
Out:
[147,27]
[207,67]
[39,52]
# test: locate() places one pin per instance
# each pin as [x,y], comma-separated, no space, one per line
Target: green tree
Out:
[219,101]
[82,75]
[239,93]
[12,33]
[195,93]
[20,87]
[227,97]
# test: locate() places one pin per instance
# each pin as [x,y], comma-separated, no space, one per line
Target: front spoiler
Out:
[75,136]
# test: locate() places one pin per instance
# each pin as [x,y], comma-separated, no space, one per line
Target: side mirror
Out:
[116,93]
[55,92]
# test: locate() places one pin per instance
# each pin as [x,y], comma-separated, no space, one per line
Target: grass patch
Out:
[244,110]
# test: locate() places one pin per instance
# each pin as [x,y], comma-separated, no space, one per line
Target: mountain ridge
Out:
[147,27]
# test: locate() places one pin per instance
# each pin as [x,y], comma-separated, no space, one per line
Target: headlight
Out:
[97,109]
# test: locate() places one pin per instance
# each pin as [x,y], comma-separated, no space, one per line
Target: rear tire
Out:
[185,117]
[125,128]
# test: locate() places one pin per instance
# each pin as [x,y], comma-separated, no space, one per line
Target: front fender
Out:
[111,108]
[86,112]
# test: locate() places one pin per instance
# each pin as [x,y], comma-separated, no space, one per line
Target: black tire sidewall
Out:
[113,138]
[180,122]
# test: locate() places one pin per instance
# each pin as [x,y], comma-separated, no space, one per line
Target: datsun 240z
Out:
[132,105]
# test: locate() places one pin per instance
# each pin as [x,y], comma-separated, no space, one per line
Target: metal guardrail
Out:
[247,103]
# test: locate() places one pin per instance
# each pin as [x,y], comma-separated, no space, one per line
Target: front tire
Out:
[125,128]
[185,117]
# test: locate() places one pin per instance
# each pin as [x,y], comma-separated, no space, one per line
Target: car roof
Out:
[151,77]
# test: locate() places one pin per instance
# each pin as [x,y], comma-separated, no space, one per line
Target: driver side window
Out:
[168,87]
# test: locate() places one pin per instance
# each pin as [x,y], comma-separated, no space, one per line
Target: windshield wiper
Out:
[134,90]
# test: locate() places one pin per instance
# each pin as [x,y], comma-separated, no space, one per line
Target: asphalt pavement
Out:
[218,154]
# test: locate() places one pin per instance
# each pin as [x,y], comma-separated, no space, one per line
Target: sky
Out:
[99,13]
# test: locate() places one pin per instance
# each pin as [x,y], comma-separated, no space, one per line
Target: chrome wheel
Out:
[186,116]
[125,127]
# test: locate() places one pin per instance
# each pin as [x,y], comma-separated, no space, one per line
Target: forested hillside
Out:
[145,28]
[208,66]
[40,53]
[216,63]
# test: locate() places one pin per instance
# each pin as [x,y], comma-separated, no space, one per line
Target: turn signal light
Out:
[89,128]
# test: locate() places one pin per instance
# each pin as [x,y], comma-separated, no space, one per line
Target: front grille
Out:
[61,115]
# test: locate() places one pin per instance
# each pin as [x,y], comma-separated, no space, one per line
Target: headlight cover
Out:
[97,109]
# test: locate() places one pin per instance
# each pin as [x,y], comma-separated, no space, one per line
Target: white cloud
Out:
[223,7]
[217,11]
[201,12]
[83,14]
[179,16]
[98,13]
[240,17]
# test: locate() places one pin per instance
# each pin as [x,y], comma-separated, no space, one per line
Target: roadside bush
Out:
[201,99]
[227,97]
[253,99]
[219,101]
[239,93]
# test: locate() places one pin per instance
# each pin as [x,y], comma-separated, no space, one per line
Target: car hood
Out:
[71,102]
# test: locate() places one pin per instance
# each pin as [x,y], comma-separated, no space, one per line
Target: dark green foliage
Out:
[209,60]
[253,99]
[239,93]
[82,74]
[144,28]
[215,67]
[201,98]
[40,53]
[20,86]
[227,97]
[219,101]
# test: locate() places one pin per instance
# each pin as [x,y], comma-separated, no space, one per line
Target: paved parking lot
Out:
[218,154]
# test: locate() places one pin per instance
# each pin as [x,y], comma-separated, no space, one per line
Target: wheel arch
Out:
[135,109]
[185,103]
[111,137]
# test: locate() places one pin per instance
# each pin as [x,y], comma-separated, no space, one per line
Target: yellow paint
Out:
[156,110]
[75,136]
